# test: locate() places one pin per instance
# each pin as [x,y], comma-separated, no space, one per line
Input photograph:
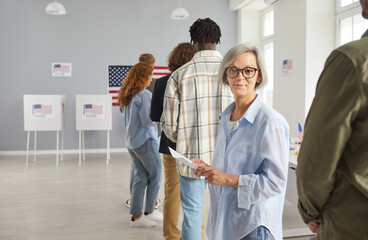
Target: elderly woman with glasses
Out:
[247,178]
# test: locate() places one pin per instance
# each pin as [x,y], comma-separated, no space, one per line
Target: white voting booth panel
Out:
[93,112]
[44,113]
[295,227]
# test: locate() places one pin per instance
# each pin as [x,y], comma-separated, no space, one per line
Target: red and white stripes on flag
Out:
[117,74]
[159,72]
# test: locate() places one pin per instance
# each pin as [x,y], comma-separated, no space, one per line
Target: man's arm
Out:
[156,101]
[327,130]
[171,108]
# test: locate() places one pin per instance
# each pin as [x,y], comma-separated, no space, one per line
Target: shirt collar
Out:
[207,53]
[250,114]
[227,110]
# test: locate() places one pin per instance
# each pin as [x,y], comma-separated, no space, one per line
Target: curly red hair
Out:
[136,80]
[181,54]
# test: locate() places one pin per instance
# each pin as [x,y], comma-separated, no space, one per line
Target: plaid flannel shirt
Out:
[194,99]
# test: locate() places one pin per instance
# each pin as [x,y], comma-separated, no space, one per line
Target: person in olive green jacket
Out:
[332,172]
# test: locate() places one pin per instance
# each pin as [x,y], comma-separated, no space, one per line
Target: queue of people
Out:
[181,54]
[209,112]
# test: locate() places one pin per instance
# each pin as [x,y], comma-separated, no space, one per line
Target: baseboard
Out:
[65,151]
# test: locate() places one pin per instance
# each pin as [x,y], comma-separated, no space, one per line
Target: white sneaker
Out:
[156,215]
[127,203]
[143,221]
[158,203]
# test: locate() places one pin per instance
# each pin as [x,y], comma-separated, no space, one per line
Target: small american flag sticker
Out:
[61,69]
[287,66]
[300,133]
[94,111]
[42,111]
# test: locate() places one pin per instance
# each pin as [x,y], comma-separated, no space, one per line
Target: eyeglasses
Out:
[248,72]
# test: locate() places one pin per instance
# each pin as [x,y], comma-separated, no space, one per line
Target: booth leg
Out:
[84,146]
[62,145]
[28,132]
[108,147]
[34,147]
[57,148]
[80,139]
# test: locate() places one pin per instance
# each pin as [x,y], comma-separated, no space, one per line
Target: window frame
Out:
[264,40]
[342,9]
[344,12]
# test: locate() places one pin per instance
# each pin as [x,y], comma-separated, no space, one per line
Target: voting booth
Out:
[44,113]
[291,212]
[93,112]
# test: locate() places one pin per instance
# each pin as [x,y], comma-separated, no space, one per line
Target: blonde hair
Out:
[147,58]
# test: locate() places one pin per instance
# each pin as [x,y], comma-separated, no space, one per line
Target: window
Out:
[267,22]
[267,49]
[349,21]
[344,3]
[268,57]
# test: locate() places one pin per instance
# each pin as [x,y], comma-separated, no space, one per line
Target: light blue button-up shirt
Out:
[136,118]
[257,150]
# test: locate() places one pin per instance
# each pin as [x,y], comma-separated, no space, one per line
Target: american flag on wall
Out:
[117,74]
[62,68]
[287,66]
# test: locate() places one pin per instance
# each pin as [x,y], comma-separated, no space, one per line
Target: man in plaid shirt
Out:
[194,99]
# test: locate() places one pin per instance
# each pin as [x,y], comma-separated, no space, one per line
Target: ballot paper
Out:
[182,159]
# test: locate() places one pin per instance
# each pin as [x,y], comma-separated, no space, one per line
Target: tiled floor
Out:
[45,201]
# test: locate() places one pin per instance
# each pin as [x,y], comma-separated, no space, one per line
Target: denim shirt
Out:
[137,122]
[258,151]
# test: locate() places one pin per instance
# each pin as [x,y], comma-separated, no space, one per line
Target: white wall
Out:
[92,35]
[304,32]
[290,43]
[249,26]
[320,42]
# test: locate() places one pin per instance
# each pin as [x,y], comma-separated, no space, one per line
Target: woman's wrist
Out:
[231,180]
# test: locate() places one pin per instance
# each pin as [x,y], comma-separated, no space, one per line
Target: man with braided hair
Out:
[193,101]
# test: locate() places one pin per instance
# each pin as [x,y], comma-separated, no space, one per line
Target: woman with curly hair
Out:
[181,54]
[142,144]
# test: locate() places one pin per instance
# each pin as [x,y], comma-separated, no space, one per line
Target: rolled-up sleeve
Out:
[244,190]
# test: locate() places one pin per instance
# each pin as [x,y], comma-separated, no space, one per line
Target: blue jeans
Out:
[147,174]
[192,202]
[260,233]
[131,178]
